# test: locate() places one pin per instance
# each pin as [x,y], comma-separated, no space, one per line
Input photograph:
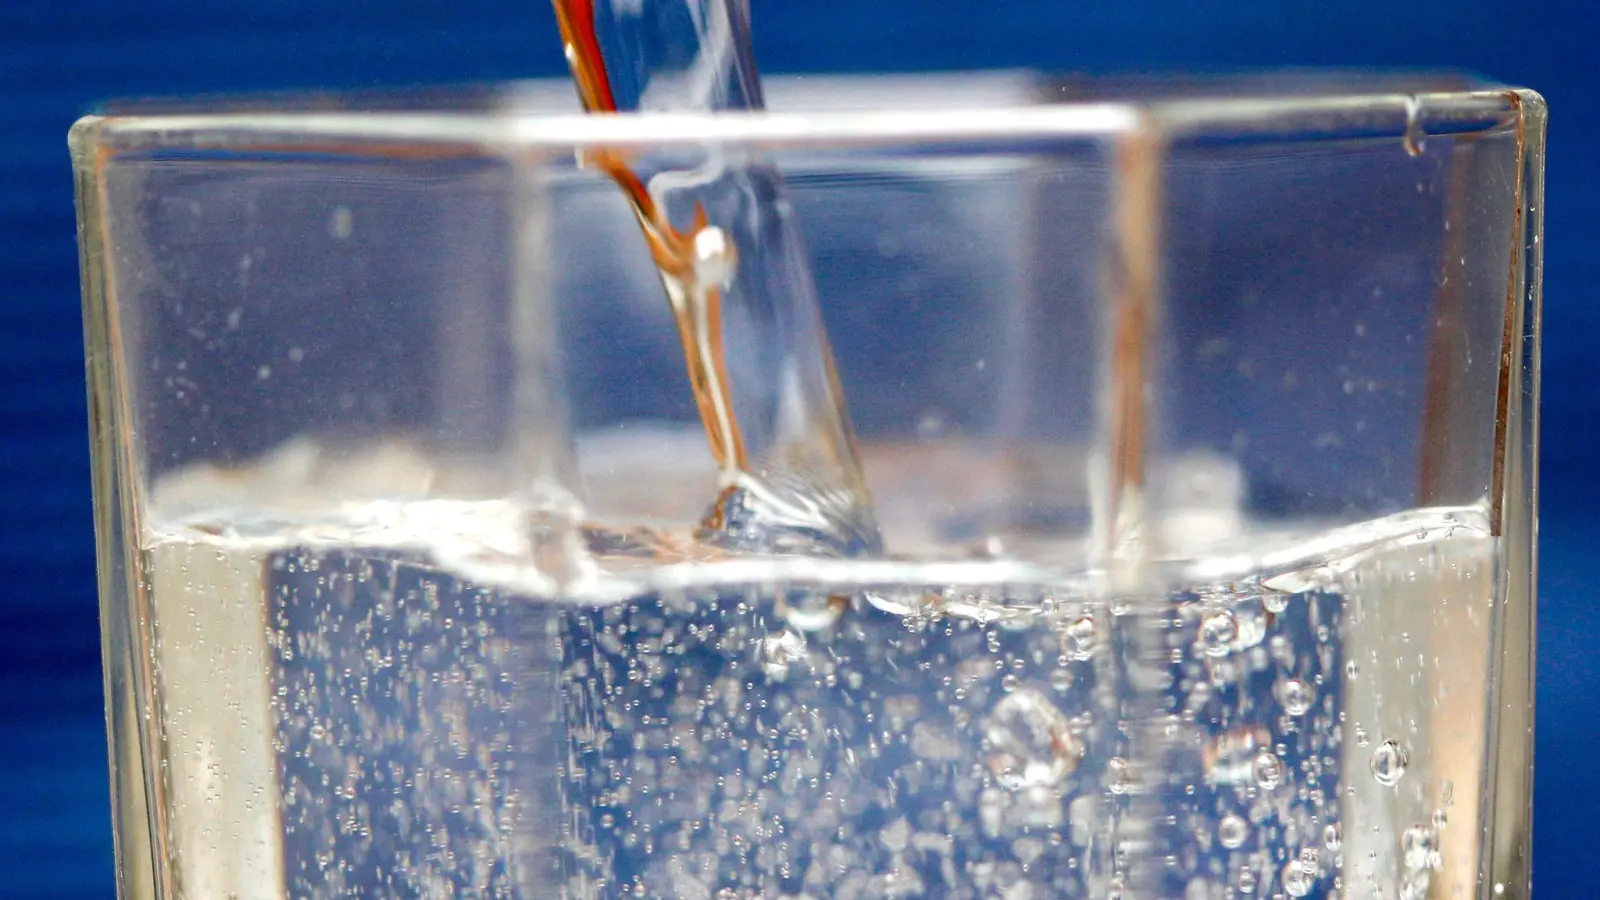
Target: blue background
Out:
[59,56]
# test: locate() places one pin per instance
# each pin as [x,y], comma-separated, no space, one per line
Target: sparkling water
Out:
[398,705]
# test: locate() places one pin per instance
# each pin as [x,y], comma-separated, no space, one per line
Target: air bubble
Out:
[1232,831]
[1419,847]
[1297,882]
[1218,631]
[1061,680]
[1296,696]
[1119,775]
[1389,763]
[1079,640]
[1268,770]
[780,651]
[1030,742]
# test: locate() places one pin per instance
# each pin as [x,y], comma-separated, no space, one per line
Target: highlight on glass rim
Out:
[999,484]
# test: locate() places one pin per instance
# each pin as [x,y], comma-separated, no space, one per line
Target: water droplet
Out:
[1232,831]
[1268,770]
[1389,763]
[1274,601]
[1419,847]
[1079,639]
[1218,631]
[1351,670]
[1361,737]
[1331,837]
[1296,696]
[1061,680]
[1247,880]
[780,651]
[1008,682]
[1030,742]
[1439,820]
[1297,882]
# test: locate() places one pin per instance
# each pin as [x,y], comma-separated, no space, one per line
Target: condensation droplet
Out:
[1389,763]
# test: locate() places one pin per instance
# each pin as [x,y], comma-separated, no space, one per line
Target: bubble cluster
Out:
[823,740]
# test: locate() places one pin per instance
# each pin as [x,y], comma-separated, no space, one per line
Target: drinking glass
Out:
[1198,422]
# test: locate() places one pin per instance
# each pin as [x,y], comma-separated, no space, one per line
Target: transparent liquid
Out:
[378,710]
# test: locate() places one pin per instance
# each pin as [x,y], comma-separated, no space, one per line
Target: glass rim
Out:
[1243,118]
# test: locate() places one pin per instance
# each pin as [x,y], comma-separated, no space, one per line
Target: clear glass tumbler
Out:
[1198,424]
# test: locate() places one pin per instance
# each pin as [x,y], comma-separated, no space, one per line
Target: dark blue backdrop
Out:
[58,56]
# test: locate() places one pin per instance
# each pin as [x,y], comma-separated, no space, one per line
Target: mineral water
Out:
[407,700]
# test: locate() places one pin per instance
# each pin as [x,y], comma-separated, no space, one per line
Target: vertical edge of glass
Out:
[1506,866]
[132,829]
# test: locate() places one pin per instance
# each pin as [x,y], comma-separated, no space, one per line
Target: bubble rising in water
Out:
[1080,638]
[1389,763]
[1268,770]
[779,652]
[1297,882]
[1218,631]
[1232,831]
[1030,742]
[1419,848]
[1296,696]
